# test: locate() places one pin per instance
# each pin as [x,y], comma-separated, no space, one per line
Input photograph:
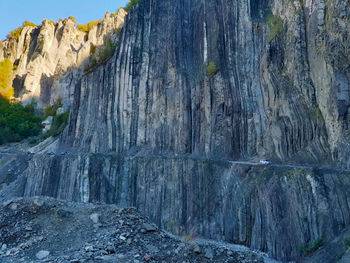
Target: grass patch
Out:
[275,24]
[312,247]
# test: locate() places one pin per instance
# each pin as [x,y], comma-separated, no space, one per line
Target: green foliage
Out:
[72,18]
[312,247]
[347,243]
[211,69]
[17,122]
[275,24]
[50,110]
[130,4]
[58,124]
[28,23]
[6,89]
[88,26]
[17,32]
[92,49]
[103,54]
[52,22]
[316,114]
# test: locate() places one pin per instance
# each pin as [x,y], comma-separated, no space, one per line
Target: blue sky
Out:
[14,12]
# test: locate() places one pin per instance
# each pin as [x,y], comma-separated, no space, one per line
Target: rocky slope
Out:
[153,128]
[50,58]
[277,209]
[42,228]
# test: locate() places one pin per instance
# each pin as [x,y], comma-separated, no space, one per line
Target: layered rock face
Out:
[279,98]
[146,126]
[50,59]
[278,210]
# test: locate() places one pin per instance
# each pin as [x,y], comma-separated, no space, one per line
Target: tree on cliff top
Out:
[130,4]
[6,89]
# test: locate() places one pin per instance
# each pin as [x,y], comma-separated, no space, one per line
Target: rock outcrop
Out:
[49,59]
[277,210]
[39,229]
[267,98]
[156,128]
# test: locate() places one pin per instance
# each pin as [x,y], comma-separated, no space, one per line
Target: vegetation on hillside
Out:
[17,122]
[52,22]
[211,69]
[101,54]
[130,4]
[58,124]
[312,246]
[17,32]
[275,24]
[6,89]
[88,26]
[74,19]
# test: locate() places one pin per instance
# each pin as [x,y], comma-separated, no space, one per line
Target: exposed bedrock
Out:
[49,59]
[275,209]
[269,97]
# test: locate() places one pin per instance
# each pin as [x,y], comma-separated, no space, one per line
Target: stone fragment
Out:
[149,227]
[196,249]
[42,254]
[94,218]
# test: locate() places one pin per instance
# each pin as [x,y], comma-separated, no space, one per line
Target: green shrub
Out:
[312,247]
[316,114]
[58,124]
[275,24]
[130,4]
[88,26]
[211,69]
[17,122]
[92,49]
[52,22]
[15,34]
[50,110]
[28,23]
[6,89]
[72,18]
[347,243]
[103,54]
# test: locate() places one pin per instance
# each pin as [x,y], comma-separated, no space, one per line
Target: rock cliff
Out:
[285,96]
[278,210]
[49,59]
[194,86]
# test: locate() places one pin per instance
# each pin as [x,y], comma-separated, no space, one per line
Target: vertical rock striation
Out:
[277,210]
[147,125]
[269,96]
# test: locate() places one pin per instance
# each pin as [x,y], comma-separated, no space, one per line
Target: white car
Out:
[264,161]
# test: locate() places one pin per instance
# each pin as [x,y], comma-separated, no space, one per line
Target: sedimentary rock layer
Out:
[277,210]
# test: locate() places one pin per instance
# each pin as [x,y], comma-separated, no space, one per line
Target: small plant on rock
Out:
[275,24]
[211,69]
[130,4]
